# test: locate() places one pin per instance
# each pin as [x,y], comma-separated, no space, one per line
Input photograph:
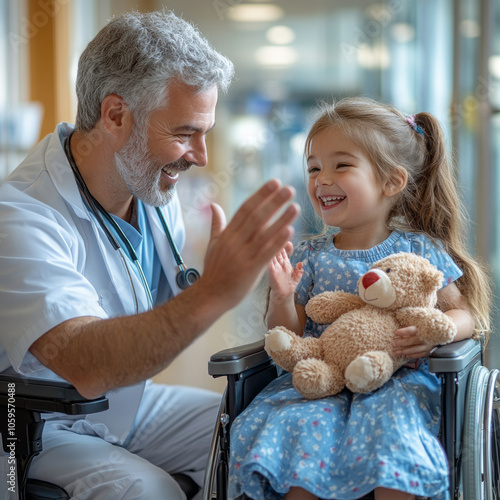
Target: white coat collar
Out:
[60,170]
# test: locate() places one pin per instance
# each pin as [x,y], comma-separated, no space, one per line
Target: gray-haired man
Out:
[88,281]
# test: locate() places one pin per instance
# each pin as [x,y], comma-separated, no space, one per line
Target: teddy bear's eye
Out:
[388,271]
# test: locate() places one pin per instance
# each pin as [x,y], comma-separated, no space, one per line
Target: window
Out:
[19,119]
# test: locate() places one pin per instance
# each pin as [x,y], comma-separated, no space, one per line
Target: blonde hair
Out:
[429,203]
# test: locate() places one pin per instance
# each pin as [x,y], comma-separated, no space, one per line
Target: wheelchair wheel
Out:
[494,450]
[480,440]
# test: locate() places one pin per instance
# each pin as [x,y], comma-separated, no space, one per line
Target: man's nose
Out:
[198,154]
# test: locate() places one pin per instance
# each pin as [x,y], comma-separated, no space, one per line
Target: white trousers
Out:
[171,434]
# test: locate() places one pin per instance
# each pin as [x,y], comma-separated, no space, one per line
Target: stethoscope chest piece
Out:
[186,277]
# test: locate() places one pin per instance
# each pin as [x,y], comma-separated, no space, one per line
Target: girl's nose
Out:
[323,179]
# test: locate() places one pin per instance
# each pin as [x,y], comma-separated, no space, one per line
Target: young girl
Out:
[384,182]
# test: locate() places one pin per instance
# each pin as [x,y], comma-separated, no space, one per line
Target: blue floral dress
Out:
[344,446]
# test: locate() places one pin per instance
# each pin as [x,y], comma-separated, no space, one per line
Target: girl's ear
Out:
[396,183]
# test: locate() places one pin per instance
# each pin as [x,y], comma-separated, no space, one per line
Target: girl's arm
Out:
[283,280]
[452,303]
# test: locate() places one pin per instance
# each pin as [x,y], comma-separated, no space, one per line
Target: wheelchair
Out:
[469,430]
[22,401]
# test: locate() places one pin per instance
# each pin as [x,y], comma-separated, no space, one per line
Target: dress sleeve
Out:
[437,256]
[301,253]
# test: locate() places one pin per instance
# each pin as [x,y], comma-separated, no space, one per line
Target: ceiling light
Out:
[276,56]
[280,35]
[255,12]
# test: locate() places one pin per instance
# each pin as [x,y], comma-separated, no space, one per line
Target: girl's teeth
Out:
[331,200]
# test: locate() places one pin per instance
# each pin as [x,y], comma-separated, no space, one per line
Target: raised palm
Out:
[283,277]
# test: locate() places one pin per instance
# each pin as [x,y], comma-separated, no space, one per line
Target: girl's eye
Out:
[312,170]
[343,165]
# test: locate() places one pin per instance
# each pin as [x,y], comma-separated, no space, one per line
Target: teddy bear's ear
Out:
[432,277]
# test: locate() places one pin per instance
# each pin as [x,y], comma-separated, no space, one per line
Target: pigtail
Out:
[434,208]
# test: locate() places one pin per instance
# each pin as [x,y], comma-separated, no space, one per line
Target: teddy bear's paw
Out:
[442,330]
[278,340]
[359,374]
[369,372]
[314,379]
[282,345]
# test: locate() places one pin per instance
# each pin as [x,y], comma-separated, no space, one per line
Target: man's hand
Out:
[238,253]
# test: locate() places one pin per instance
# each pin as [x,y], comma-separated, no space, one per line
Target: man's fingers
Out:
[260,208]
[288,247]
[218,220]
[276,235]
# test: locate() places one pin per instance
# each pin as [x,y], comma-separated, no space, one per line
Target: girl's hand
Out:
[406,343]
[283,277]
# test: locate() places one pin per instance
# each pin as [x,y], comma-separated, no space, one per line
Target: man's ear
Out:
[116,117]
[396,183]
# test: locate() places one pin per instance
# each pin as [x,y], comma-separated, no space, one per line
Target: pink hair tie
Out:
[413,124]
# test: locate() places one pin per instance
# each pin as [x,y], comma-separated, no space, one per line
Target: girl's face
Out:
[343,187]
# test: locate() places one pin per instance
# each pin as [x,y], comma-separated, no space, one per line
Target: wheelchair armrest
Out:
[47,396]
[455,357]
[237,359]
[452,357]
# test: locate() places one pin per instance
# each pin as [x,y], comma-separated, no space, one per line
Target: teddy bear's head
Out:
[400,280]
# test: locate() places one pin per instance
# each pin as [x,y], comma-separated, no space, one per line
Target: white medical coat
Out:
[56,262]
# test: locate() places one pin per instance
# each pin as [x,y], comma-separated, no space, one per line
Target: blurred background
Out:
[441,56]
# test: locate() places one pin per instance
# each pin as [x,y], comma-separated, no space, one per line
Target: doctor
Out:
[89,288]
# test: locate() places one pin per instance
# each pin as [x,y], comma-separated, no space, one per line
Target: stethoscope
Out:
[185,276]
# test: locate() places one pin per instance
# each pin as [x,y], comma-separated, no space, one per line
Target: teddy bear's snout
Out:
[369,278]
[375,288]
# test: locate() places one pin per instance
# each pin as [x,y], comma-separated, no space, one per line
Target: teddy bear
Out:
[355,350]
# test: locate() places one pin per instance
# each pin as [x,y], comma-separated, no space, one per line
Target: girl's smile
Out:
[345,190]
[330,201]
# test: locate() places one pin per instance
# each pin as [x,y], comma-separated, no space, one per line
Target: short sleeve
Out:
[40,285]
[437,256]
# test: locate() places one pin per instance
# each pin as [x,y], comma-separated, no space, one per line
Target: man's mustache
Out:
[180,164]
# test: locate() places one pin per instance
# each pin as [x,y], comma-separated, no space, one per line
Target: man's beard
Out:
[142,173]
